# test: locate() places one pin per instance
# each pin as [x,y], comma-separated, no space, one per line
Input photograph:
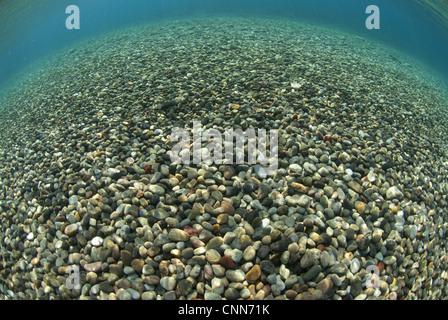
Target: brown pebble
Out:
[290,294]
[137,265]
[228,208]
[126,257]
[254,273]
[226,262]
[324,285]
[300,188]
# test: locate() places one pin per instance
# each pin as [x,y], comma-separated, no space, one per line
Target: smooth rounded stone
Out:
[123,283]
[106,287]
[96,241]
[309,259]
[148,270]
[232,294]
[311,273]
[294,167]
[228,208]
[212,296]
[168,283]
[324,201]
[371,176]
[254,273]
[324,285]
[355,265]
[389,260]
[360,207]
[216,195]
[245,293]
[290,221]
[317,238]
[328,191]
[149,295]
[212,256]
[195,271]
[377,234]
[249,253]
[218,285]
[137,264]
[248,187]
[93,267]
[303,200]
[340,269]
[227,262]
[394,193]
[413,232]
[128,270]
[235,275]
[355,186]
[342,240]
[361,296]
[214,243]
[71,230]
[323,172]
[126,257]
[151,280]
[154,188]
[134,294]
[170,295]
[218,270]
[125,295]
[185,286]
[300,188]
[356,287]
[324,259]
[344,157]
[107,230]
[160,214]
[74,258]
[178,235]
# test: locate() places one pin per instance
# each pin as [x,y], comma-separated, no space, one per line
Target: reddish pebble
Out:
[147,168]
[191,231]
[226,262]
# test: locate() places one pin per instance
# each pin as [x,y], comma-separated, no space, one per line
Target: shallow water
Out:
[90,194]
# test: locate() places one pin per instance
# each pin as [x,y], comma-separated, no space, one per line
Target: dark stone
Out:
[356,287]
[311,273]
[248,187]
[267,267]
[260,233]
[185,287]
[388,165]
[281,245]
[348,204]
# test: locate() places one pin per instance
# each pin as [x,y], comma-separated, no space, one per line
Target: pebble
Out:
[71,230]
[168,283]
[254,273]
[178,235]
[235,275]
[93,267]
[394,193]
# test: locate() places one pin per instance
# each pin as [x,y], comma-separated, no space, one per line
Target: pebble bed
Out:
[86,177]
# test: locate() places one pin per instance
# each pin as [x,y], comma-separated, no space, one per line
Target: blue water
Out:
[404,25]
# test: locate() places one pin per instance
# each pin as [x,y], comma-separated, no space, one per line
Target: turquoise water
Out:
[33,30]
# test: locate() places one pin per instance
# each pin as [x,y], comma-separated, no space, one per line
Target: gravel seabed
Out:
[86,178]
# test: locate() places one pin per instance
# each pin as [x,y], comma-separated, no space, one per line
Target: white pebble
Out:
[97,241]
